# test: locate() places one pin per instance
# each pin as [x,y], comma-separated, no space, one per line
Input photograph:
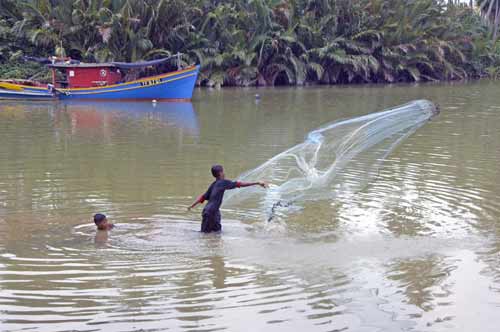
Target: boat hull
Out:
[172,86]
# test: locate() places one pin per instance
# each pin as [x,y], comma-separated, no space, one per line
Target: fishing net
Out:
[340,158]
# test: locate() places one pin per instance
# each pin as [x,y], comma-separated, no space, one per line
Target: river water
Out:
[418,249]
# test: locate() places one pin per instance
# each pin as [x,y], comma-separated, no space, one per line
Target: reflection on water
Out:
[416,250]
[95,115]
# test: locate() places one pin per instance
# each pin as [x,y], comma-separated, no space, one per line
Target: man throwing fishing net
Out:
[214,195]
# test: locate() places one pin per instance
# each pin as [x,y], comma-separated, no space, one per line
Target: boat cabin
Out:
[85,75]
[76,74]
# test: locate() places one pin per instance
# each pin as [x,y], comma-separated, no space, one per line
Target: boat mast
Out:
[53,76]
[178,55]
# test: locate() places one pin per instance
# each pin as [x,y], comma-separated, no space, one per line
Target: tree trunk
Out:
[487,16]
[490,7]
[495,25]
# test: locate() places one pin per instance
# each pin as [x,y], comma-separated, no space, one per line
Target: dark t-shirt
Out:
[215,193]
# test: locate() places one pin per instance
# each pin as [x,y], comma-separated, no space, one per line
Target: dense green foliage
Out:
[261,42]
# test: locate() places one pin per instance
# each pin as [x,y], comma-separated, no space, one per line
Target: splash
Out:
[340,158]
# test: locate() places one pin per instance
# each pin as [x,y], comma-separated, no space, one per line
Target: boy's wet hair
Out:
[99,218]
[216,170]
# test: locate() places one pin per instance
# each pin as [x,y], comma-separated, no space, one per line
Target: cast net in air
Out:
[340,158]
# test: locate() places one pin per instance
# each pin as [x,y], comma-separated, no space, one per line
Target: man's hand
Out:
[263,184]
[189,208]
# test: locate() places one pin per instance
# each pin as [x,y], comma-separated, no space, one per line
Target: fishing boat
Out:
[24,89]
[75,80]
[25,95]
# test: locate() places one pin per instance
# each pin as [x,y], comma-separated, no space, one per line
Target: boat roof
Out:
[123,65]
[140,64]
[81,65]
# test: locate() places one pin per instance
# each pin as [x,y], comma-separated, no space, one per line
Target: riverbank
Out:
[27,71]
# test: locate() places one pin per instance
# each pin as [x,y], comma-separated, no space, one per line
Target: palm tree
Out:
[44,25]
[490,11]
[89,29]
[265,42]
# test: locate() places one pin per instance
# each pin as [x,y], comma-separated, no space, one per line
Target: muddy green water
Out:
[416,250]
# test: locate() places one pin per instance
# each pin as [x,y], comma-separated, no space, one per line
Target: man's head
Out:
[218,171]
[100,220]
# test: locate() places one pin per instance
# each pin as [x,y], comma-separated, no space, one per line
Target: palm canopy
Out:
[262,42]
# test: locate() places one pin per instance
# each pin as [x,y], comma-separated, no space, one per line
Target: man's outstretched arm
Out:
[240,184]
[199,200]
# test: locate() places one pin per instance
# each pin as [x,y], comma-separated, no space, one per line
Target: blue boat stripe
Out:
[103,90]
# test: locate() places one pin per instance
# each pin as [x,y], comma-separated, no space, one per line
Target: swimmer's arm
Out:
[199,200]
[250,184]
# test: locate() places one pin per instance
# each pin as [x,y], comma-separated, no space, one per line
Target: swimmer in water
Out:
[102,223]
[214,195]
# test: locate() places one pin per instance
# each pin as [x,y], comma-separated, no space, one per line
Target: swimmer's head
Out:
[101,221]
[217,171]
